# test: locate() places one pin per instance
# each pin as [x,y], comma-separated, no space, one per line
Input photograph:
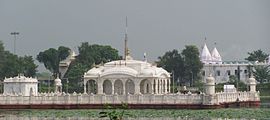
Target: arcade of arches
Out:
[127,86]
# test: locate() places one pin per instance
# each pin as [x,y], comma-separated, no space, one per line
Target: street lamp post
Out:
[15,37]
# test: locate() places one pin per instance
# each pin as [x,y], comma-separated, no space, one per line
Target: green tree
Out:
[172,61]
[12,65]
[192,63]
[52,57]
[186,66]
[257,55]
[262,73]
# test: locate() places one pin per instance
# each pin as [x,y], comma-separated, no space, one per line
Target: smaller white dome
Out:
[251,80]
[205,55]
[94,71]
[57,82]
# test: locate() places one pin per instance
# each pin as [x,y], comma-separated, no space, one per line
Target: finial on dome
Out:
[144,56]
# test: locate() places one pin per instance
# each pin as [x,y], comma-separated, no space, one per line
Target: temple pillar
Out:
[159,88]
[166,89]
[152,86]
[137,87]
[112,81]
[84,86]
[156,86]
[124,87]
[100,87]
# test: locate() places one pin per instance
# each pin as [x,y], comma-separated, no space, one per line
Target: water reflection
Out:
[89,118]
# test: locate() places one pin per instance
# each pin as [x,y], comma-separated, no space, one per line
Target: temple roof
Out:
[205,55]
[133,68]
[216,56]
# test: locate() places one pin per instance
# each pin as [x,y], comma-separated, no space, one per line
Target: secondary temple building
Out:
[222,70]
[20,85]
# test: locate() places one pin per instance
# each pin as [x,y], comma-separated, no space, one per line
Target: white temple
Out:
[127,76]
[21,85]
[222,70]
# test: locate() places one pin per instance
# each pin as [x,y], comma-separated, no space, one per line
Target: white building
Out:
[21,85]
[127,77]
[222,70]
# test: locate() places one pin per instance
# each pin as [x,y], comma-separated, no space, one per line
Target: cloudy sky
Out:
[154,26]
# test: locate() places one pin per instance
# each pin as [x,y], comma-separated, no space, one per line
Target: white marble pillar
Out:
[124,87]
[159,86]
[84,86]
[137,87]
[169,85]
[156,88]
[152,86]
[100,86]
[112,81]
[166,89]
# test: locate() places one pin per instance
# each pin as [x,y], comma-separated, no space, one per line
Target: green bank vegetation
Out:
[250,113]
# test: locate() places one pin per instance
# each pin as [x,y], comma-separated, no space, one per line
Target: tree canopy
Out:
[11,65]
[172,61]
[257,55]
[52,57]
[185,66]
[192,63]
[262,73]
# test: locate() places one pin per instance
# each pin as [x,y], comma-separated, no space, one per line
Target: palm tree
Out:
[262,73]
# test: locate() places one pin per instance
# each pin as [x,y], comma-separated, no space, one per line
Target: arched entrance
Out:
[91,86]
[107,87]
[130,87]
[145,87]
[118,87]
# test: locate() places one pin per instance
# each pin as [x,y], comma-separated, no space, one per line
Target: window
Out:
[203,73]
[246,71]
[235,72]
[218,73]
[228,72]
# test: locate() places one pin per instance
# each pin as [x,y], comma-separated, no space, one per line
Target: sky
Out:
[154,26]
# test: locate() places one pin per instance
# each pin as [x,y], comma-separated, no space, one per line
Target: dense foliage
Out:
[88,57]
[262,73]
[52,57]
[257,55]
[11,65]
[185,66]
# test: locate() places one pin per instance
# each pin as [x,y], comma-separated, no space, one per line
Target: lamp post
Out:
[15,37]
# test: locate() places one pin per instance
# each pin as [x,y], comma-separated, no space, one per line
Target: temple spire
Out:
[126,40]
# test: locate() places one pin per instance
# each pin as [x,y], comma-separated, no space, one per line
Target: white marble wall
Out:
[134,99]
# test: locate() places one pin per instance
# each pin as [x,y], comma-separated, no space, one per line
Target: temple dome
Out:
[119,70]
[57,82]
[205,55]
[133,68]
[94,71]
[216,58]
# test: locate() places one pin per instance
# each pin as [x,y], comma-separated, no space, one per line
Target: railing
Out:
[102,99]
[227,97]
[220,97]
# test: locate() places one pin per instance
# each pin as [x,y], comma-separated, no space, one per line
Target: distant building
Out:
[222,70]
[21,85]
